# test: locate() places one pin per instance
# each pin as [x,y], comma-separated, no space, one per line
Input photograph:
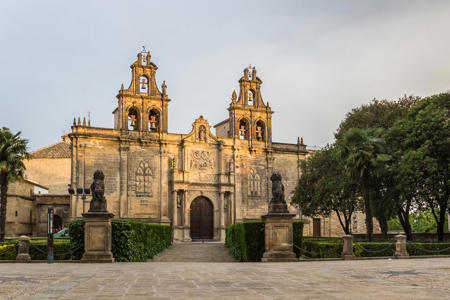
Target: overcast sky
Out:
[317,59]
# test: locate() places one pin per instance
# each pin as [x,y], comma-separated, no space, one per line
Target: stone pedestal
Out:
[347,250]
[97,238]
[279,238]
[400,247]
[23,251]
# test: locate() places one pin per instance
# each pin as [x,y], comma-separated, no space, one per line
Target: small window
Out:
[144,202]
[16,213]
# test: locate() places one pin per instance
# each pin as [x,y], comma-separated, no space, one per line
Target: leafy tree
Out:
[423,138]
[363,154]
[387,198]
[325,187]
[13,150]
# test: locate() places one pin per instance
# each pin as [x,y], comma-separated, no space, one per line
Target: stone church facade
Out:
[200,181]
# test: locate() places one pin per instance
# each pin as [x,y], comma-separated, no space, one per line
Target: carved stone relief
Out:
[201,160]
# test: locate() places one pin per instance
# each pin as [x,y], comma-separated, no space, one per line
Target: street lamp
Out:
[79,192]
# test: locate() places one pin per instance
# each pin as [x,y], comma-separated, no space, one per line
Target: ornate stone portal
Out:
[278,226]
[97,227]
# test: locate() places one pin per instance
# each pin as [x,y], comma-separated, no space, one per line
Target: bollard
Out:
[400,247]
[347,249]
[23,253]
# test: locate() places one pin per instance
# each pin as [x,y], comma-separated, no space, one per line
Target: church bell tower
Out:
[250,118]
[142,106]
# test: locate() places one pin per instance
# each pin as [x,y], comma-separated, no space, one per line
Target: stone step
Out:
[195,252]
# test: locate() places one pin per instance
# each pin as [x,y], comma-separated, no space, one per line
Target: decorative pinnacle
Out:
[233,96]
[121,87]
[74,122]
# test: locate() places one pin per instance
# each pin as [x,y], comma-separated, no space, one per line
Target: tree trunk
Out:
[369,222]
[403,217]
[4,198]
[441,223]
[383,225]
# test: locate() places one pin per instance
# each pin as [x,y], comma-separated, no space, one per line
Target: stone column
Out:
[347,250]
[187,225]
[221,216]
[23,252]
[175,208]
[400,247]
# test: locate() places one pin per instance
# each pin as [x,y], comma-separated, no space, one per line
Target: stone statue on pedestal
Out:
[277,204]
[98,202]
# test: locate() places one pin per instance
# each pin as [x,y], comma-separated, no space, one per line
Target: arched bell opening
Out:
[133,119]
[260,131]
[201,219]
[143,84]
[243,129]
[250,98]
[154,120]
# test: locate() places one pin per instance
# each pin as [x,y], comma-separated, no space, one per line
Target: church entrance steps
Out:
[195,252]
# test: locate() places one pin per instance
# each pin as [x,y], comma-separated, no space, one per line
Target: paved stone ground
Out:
[362,279]
[195,252]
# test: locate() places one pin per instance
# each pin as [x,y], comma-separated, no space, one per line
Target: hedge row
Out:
[131,241]
[38,249]
[246,241]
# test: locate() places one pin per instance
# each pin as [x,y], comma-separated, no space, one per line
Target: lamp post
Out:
[80,192]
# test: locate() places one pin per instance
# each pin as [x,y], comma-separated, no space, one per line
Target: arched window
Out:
[254,183]
[202,133]
[153,120]
[243,129]
[143,84]
[250,97]
[144,180]
[133,119]
[260,131]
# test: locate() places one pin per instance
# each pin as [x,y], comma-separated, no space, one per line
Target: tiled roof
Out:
[58,150]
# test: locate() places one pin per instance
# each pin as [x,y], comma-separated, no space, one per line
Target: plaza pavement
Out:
[361,279]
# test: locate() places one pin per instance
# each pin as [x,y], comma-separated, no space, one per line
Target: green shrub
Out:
[321,249]
[61,249]
[297,227]
[131,241]
[8,251]
[424,248]
[246,241]
[373,249]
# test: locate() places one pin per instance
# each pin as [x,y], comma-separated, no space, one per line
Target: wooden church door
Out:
[202,226]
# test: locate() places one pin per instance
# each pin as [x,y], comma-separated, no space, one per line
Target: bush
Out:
[373,249]
[321,249]
[8,252]
[61,249]
[131,241]
[420,248]
[298,236]
[246,241]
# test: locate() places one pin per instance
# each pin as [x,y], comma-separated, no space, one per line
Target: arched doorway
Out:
[202,225]
[57,222]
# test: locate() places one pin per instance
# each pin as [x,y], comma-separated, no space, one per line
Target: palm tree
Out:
[363,151]
[13,150]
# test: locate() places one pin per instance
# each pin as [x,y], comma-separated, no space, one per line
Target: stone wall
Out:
[53,173]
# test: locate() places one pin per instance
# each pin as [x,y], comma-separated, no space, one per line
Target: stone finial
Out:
[301,141]
[121,87]
[74,122]
[23,251]
[164,88]
[233,96]
[84,121]
[79,121]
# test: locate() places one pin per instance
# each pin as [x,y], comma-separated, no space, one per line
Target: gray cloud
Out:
[317,59]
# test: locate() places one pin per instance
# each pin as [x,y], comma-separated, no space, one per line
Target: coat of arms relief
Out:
[201,160]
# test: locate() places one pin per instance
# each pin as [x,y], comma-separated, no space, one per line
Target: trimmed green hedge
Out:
[38,249]
[131,241]
[373,249]
[427,248]
[246,241]
[319,249]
